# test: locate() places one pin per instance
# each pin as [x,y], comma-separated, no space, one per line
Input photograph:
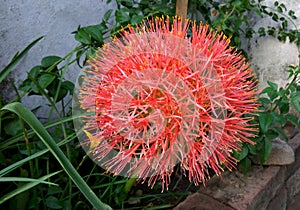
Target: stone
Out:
[295,144]
[294,204]
[293,185]
[279,201]
[281,154]
[199,201]
[246,192]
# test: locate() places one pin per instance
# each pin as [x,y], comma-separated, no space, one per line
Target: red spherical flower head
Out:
[157,97]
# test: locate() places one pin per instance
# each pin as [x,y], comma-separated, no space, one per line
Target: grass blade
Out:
[24,179]
[16,165]
[20,137]
[25,187]
[16,59]
[38,128]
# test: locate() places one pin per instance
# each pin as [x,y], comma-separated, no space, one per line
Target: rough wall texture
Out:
[269,57]
[22,21]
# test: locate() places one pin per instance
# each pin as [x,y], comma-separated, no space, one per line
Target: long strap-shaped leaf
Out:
[38,128]
[24,179]
[16,59]
[19,163]
[26,187]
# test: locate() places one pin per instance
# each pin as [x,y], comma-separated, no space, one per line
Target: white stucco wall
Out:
[22,21]
[270,57]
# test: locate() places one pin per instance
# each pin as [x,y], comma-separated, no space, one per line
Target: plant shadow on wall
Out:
[50,171]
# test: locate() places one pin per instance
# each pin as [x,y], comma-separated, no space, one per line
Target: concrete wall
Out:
[22,21]
[270,57]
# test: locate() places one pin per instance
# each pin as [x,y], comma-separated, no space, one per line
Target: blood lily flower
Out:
[157,97]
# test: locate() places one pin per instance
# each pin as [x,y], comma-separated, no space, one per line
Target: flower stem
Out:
[129,184]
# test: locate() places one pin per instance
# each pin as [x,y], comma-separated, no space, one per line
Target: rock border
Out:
[264,187]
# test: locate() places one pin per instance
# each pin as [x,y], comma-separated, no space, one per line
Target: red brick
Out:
[279,201]
[199,201]
[293,185]
[295,144]
[295,203]
[253,191]
[272,188]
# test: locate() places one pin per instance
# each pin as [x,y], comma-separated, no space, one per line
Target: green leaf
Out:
[266,150]
[278,118]
[25,187]
[265,101]
[284,107]
[16,165]
[239,155]
[16,59]
[122,15]
[34,72]
[261,31]
[295,102]
[54,190]
[53,203]
[50,60]
[271,31]
[238,4]
[258,12]
[265,121]
[275,17]
[272,85]
[42,133]
[107,15]
[53,89]
[15,139]
[271,134]
[293,119]
[283,6]
[46,79]
[291,13]
[245,165]
[95,32]
[281,132]
[13,127]
[83,37]
[127,3]
[272,93]
[34,88]
[253,150]
[24,179]
[90,53]
[135,19]
[68,86]
[25,85]
[237,41]
[282,92]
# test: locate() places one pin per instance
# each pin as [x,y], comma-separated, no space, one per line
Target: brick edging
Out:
[269,187]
